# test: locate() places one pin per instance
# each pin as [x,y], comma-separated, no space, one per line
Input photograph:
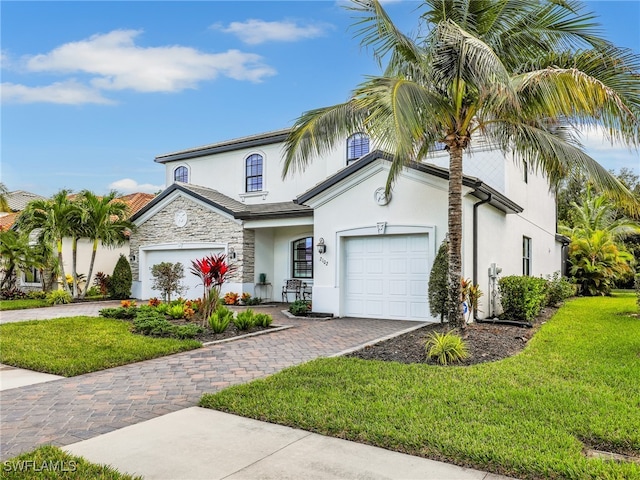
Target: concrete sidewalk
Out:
[198,443]
[13,377]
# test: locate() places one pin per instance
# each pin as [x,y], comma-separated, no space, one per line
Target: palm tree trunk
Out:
[456,318]
[62,272]
[93,259]
[74,265]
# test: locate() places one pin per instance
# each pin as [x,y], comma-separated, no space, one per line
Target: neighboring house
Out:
[106,258]
[360,253]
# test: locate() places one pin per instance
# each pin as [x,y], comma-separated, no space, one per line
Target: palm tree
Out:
[54,220]
[4,205]
[521,73]
[15,255]
[105,221]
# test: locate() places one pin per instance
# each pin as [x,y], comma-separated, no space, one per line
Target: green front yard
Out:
[576,385]
[76,345]
[23,304]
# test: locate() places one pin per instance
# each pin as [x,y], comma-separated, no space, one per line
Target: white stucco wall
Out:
[106,258]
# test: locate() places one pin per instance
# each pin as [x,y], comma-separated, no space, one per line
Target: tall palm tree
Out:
[521,73]
[53,218]
[15,256]
[105,221]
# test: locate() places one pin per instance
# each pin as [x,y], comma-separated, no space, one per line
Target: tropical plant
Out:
[438,293]
[213,271]
[58,297]
[177,311]
[102,281]
[522,74]
[121,279]
[299,307]
[636,285]
[104,220]
[220,319]
[263,319]
[167,278]
[231,298]
[446,348]
[471,296]
[596,262]
[54,219]
[558,289]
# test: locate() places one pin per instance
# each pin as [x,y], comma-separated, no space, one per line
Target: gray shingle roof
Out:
[19,199]
[231,206]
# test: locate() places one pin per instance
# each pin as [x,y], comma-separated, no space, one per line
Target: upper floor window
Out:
[526,256]
[357,146]
[253,173]
[303,258]
[181,174]
[525,173]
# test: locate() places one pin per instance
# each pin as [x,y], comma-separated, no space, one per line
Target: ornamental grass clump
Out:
[220,319]
[245,320]
[446,348]
[263,319]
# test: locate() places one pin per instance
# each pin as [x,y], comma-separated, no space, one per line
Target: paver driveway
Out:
[72,409]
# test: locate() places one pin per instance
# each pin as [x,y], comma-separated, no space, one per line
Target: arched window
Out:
[357,146]
[181,174]
[253,173]
[302,258]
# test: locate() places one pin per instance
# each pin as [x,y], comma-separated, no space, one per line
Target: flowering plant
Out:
[213,270]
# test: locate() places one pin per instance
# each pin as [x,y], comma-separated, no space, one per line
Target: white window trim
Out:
[243,189]
[173,172]
[529,257]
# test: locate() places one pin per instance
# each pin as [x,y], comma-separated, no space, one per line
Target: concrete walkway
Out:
[142,418]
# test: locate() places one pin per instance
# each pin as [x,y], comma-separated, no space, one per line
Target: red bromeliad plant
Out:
[213,270]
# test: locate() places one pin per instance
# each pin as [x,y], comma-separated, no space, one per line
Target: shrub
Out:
[253,301]
[220,319]
[263,319]
[231,298]
[154,302]
[120,313]
[93,292]
[558,289]
[300,307]
[522,297]
[163,308]
[446,347]
[127,303]
[121,279]
[12,294]
[153,324]
[636,284]
[58,297]
[245,320]
[37,295]
[186,331]
[438,286]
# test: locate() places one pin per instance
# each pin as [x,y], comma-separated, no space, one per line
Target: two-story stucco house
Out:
[360,253]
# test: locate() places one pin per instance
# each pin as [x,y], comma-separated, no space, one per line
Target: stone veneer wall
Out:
[203,225]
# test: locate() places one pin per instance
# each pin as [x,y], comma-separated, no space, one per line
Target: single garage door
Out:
[192,283]
[386,276]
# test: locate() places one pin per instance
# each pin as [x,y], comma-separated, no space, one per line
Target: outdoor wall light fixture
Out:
[132,257]
[322,248]
[232,254]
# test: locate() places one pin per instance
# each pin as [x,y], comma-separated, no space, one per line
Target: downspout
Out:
[475,245]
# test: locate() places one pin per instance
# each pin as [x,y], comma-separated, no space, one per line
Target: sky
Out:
[92,92]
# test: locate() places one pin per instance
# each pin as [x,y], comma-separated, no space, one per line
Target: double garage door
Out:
[387,276]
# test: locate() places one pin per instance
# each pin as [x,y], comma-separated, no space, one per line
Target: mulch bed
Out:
[486,342]
[230,332]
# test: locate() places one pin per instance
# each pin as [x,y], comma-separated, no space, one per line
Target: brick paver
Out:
[73,409]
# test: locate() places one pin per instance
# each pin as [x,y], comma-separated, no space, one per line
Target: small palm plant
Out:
[446,347]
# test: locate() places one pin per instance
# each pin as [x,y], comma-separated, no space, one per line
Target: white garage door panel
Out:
[192,283]
[387,276]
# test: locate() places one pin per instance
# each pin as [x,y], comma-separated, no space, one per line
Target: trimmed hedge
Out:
[522,297]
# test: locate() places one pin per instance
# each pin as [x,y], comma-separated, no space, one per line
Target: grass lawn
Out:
[23,303]
[76,345]
[527,416]
[52,463]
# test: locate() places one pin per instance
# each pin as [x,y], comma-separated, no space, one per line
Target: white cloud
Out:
[128,185]
[611,156]
[69,92]
[254,31]
[117,63]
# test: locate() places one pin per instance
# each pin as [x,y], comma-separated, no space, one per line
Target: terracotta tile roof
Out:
[135,201]
[6,221]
